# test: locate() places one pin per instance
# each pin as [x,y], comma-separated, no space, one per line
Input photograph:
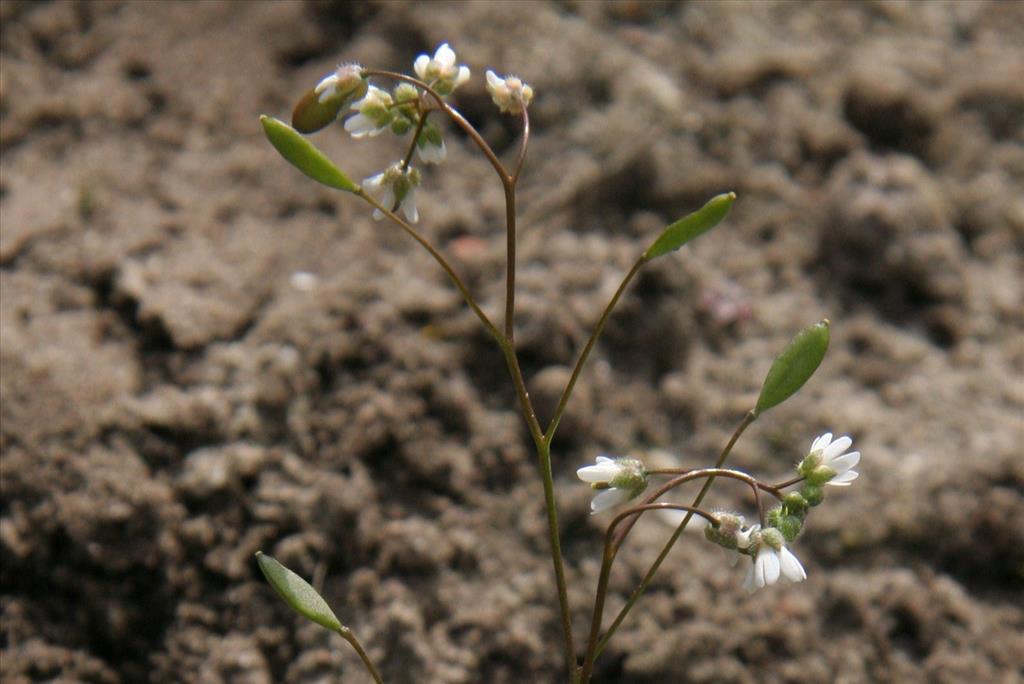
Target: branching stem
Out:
[749,418]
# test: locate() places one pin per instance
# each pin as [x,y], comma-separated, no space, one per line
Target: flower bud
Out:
[813,494]
[320,106]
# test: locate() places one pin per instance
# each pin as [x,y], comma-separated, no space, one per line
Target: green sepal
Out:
[794,366]
[304,155]
[692,225]
[298,593]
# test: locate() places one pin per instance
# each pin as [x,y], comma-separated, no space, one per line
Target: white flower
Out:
[346,82]
[441,72]
[509,93]
[773,560]
[430,153]
[430,145]
[374,114]
[617,480]
[395,185]
[830,454]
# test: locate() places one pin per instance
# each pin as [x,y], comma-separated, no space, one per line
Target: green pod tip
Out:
[304,155]
[794,366]
[691,225]
[298,593]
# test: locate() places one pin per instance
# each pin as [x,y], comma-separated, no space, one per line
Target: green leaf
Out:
[794,366]
[689,227]
[298,593]
[304,155]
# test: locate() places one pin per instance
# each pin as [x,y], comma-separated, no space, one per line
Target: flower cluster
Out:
[440,72]
[369,110]
[509,93]
[618,480]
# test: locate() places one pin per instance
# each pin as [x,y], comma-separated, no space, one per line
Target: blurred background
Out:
[205,354]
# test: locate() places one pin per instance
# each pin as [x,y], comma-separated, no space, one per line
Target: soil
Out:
[205,354]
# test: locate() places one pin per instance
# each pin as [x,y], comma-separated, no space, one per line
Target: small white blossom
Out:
[617,480]
[831,454]
[374,114]
[441,72]
[395,185]
[509,93]
[430,145]
[346,81]
[429,153]
[772,561]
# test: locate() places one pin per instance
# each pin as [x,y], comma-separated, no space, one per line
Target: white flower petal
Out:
[843,480]
[445,56]
[790,566]
[821,442]
[845,462]
[750,581]
[409,206]
[432,154]
[493,80]
[420,66]
[462,77]
[771,565]
[836,449]
[604,471]
[608,498]
[360,126]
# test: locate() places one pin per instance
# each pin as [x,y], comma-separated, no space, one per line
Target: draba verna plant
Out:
[414,108]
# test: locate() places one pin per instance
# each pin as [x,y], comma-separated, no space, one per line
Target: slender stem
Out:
[549,434]
[645,582]
[789,483]
[452,113]
[439,258]
[350,637]
[510,261]
[708,473]
[415,138]
[544,463]
[523,144]
[611,549]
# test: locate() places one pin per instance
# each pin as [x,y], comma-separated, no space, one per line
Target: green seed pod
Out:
[690,226]
[298,593]
[794,366]
[304,155]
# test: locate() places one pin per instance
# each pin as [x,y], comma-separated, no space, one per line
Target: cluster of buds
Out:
[369,111]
